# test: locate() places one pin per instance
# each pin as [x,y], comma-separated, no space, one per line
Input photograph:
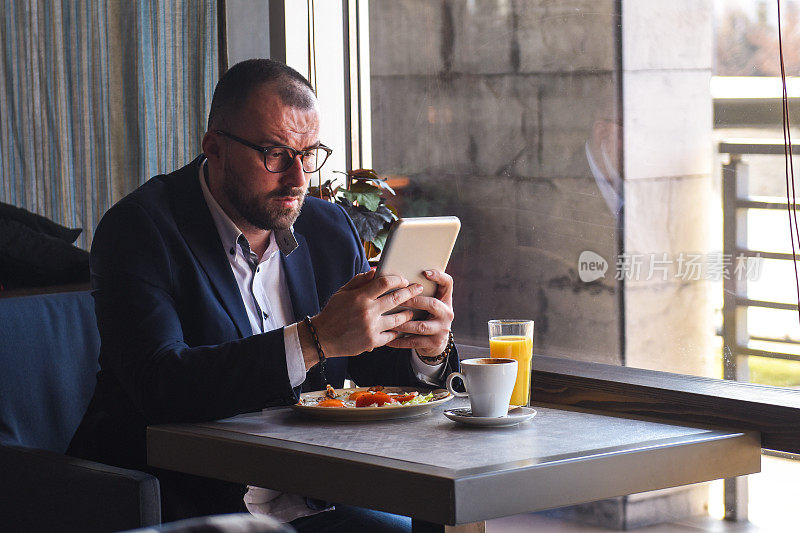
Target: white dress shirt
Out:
[265,294]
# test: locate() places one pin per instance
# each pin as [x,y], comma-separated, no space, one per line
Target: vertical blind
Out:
[97,96]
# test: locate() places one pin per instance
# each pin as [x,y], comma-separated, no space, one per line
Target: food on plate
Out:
[330,402]
[355,396]
[407,397]
[376,398]
[372,397]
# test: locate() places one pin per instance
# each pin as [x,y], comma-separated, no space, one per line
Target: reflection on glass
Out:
[506,114]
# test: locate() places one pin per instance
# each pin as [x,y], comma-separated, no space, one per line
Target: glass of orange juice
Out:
[514,339]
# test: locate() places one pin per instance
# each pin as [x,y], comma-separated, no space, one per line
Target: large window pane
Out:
[506,114]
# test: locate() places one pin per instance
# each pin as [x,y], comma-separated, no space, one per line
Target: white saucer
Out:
[463,415]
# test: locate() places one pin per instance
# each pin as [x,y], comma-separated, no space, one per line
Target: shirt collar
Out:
[229,232]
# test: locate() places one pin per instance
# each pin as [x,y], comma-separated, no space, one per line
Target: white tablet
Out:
[418,244]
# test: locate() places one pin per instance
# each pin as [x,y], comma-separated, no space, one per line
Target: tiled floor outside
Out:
[774,499]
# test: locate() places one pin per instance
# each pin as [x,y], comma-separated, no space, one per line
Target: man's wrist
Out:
[434,360]
[309,349]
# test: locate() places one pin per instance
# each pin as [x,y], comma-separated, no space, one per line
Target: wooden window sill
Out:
[773,411]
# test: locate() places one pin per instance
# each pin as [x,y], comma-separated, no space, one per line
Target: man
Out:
[211,282]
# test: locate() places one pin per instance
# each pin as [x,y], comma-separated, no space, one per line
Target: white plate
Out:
[463,415]
[373,413]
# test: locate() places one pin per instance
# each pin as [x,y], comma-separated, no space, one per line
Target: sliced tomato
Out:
[329,402]
[377,398]
[382,398]
[402,398]
[365,400]
[356,395]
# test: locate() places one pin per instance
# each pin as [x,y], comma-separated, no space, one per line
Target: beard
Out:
[258,210]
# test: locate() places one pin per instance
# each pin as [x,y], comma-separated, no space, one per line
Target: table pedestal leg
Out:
[420,526]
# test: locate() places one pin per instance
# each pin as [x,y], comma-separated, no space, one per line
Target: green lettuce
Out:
[419,399]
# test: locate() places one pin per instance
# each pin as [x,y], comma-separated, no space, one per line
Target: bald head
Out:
[236,85]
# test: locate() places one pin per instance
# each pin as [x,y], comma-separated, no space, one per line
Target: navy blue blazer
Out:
[176,344]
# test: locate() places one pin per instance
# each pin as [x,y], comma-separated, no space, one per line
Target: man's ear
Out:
[212,148]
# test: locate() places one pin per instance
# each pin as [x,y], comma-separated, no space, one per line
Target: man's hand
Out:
[353,321]
[429,337]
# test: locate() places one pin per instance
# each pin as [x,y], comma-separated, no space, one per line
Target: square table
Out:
[442,473]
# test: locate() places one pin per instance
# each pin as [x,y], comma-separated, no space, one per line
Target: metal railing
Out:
[736,202]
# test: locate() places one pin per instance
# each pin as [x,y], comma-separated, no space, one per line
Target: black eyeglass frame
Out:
[265,149]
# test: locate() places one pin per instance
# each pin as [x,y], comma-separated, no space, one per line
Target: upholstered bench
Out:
[48,360]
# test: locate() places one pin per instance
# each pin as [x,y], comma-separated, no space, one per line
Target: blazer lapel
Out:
[195,223]
[300,278]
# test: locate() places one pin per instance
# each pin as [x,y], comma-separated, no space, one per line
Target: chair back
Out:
[49,348]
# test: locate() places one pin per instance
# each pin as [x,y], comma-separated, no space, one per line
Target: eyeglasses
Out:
[280,158]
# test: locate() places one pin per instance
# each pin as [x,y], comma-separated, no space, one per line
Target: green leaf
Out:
[380,239]
[370,201]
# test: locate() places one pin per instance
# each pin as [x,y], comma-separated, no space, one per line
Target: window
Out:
[580,145]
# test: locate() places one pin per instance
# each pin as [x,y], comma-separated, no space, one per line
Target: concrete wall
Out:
[487,106]
[668,156]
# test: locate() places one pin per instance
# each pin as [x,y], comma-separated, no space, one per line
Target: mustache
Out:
[294,192]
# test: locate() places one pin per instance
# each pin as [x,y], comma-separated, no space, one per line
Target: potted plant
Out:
[363,199]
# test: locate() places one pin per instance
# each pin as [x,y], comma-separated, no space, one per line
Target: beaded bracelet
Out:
[318,346]
[439,359]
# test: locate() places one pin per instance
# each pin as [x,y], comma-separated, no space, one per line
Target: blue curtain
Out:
[97,96]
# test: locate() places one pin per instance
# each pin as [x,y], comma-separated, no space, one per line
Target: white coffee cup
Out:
[489,382]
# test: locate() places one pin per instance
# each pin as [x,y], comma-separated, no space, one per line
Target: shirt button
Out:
[258,269]
[232,251]
[265,315]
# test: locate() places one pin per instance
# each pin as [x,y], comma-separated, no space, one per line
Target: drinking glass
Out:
[513,339]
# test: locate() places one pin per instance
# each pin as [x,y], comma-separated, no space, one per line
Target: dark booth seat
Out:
[48,361]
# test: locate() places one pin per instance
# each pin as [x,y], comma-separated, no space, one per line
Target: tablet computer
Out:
[415,245]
